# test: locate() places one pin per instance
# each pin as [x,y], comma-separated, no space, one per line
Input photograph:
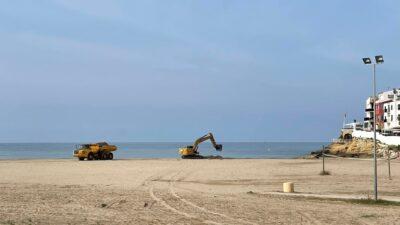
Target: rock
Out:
[356,148]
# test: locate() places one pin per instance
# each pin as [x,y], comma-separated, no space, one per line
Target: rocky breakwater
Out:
[357,148]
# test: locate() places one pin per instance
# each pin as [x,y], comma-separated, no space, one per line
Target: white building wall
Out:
[389,140]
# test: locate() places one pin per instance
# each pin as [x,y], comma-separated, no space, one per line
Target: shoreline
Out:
[158,158]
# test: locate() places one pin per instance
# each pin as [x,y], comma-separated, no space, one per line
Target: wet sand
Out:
[175,191]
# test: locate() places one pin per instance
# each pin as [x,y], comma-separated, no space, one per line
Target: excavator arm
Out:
[204,138]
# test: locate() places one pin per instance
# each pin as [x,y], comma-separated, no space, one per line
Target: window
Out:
[391,118]
[398,106]
[391,107]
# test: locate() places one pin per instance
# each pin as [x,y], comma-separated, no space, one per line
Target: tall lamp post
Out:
[378,60]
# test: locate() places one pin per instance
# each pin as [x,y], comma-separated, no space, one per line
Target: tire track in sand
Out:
[173,193]
[309,218]
[169,207]
[171,185]
[165,204]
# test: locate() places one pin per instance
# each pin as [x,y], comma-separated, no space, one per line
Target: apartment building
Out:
[387,112]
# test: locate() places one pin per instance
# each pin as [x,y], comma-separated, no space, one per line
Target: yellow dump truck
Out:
[97,151]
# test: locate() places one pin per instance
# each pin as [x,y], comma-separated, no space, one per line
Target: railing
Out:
[369,110]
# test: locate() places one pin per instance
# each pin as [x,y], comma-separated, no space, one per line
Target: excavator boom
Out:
[204,138]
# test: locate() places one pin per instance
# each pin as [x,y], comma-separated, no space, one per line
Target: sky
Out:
[120,70]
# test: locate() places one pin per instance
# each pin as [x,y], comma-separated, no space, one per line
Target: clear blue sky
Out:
[73,70]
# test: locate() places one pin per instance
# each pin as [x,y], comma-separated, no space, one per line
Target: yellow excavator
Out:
[191,151]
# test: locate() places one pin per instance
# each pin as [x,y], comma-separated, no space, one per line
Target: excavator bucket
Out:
[218,147]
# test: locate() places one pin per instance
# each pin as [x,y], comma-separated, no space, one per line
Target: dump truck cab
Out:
[97,151]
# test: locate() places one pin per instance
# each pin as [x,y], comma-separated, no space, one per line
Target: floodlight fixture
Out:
[379,59]
[367,60]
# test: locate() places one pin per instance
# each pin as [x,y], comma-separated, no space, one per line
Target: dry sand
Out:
[175,191]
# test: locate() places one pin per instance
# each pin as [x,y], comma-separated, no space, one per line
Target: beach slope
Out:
[175,191]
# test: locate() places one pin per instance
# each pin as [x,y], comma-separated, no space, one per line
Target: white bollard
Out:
[288,187]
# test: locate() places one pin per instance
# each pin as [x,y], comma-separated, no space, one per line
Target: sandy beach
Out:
[175,191]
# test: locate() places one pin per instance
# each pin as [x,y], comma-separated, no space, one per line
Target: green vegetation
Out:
[324,173]
[368,216]
[373,202]
[395,148]
[366,201]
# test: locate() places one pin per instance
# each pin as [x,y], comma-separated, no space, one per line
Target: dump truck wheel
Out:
[81,158]
[98,156]
[90,156]
[110,156]
[104,156]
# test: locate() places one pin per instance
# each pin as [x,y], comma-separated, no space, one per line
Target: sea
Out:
[148,150]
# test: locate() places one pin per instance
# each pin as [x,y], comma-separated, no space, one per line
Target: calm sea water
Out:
[162,150]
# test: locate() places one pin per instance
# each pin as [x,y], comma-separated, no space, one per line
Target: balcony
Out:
[368,118]
[369,110]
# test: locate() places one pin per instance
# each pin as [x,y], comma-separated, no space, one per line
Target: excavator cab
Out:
[190,151]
